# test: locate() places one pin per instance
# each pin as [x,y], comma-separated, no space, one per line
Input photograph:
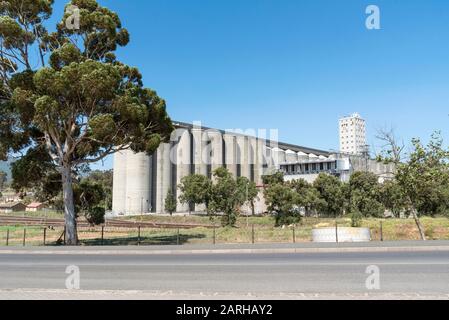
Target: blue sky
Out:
[293,65]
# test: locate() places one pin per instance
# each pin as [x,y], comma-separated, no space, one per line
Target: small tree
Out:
[332,195]
[227,196]
[365,196]
[308,196]
[392,197]
[170,202]
[283,201]
[105,179]
[423,178]
[248,191]
[88,198]
[195,190]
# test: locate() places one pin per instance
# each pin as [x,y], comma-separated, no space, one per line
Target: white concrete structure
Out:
[339,165]
[341,234]
[353,134]
[141,182]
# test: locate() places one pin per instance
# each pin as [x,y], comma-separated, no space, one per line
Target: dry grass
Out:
[264,231]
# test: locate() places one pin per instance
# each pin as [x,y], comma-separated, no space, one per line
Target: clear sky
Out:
[294,65]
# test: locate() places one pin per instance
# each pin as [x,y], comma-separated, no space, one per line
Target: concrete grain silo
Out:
[119,183]
[291,156]
[138,183]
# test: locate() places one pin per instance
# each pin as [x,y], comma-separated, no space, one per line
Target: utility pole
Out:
[247,222]
[366,156]
[141,208]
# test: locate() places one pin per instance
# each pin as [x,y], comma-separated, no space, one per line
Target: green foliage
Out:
[278,177]
[364,188]
[308,197]
[227,196]
[195,190]
[170,202]
[224,194]
[424,178]
[87,195]
[81,107]
[105,179]
[356,219]
[332,195]
[248,191]
[392,197]
[35,172]
[282,200]
[95,216]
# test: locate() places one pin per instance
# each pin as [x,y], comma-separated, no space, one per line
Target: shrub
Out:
[95,216]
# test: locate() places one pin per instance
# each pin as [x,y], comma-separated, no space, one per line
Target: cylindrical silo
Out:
[278,156]
[302,156]
[244,161]
[231,153]
[163,176]
[291,156]
[183,163]
[119,184]
[138,183]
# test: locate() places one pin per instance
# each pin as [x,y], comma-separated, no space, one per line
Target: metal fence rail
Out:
[135,233]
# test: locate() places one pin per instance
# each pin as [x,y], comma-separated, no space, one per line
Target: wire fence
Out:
[97,236]
[138,235]
[246,233]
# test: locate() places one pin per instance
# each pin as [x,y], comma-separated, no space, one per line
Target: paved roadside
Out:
[38,294]
[371,247]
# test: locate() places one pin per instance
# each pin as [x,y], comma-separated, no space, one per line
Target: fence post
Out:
[294,234]
[64,236]
[336,231]
[45,236]
[7,237]
[24,236]
[252,234]
[215,235]
[177,237]
[138,237]
[381,232]
[102,235]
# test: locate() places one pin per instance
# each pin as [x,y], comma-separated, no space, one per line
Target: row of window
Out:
[309,167]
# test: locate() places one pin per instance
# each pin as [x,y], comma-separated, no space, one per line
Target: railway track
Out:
[53,222]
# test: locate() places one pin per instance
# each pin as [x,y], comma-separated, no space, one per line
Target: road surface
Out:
[404,274]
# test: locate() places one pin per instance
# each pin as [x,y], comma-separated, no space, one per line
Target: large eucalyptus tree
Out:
[65,93]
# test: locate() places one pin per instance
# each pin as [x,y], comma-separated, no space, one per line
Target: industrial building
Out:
[353,135]
[141,182]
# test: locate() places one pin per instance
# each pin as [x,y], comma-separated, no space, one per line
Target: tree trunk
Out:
[71,236]
[419,225]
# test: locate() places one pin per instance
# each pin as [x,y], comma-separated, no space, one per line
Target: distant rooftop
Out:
[282,145]
[354,115]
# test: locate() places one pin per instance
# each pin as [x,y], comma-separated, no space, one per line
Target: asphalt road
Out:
[420,273]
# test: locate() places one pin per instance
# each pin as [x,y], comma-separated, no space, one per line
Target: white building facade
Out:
[353,135]
[141,182]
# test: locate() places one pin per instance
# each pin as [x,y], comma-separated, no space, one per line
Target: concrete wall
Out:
[141,182]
